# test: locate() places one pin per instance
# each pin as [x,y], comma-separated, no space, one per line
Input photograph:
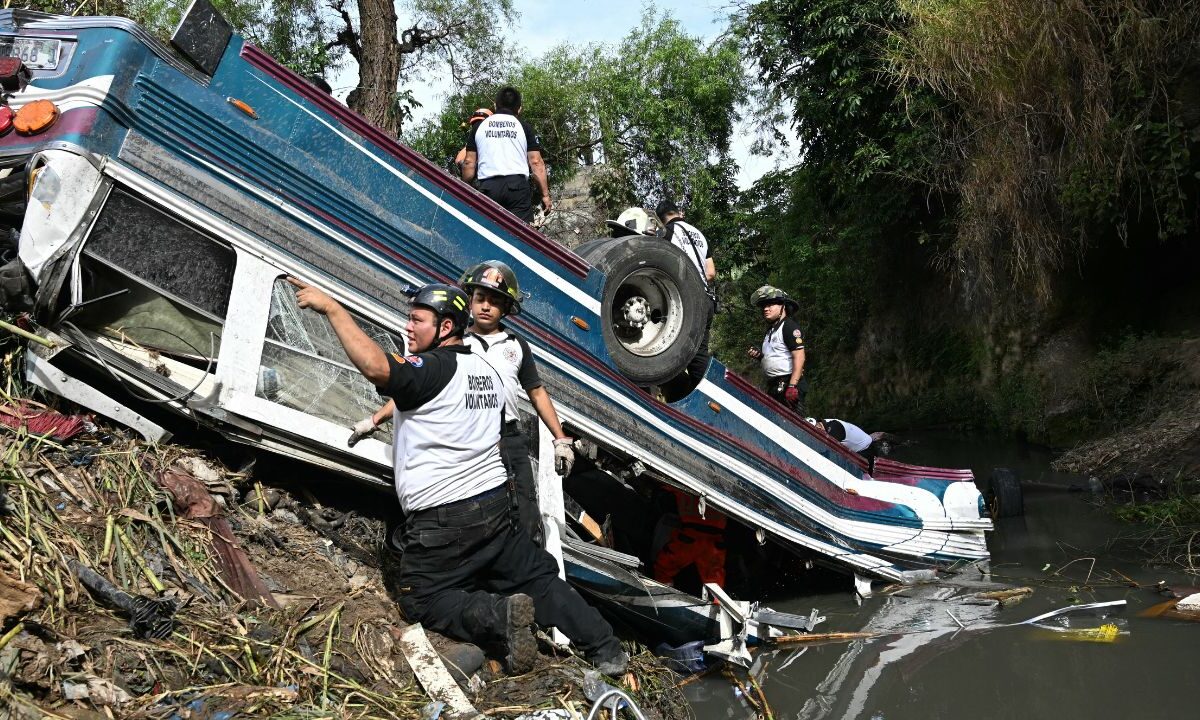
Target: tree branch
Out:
[346,36]
[416,37]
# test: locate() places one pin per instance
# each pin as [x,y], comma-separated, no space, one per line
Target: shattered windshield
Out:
[305,368]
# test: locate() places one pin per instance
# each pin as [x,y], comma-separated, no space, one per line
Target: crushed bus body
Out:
[160,212]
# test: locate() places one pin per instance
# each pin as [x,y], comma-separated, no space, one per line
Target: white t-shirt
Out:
[446,436]
[783,338]
[693,244]
[510,355]
[502,144]
[856,439]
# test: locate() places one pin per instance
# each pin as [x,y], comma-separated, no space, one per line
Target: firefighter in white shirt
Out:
[782,350]
[495,295]
[465,571]
[851,436]
[502,152]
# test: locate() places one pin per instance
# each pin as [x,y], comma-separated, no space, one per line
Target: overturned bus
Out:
[157,196]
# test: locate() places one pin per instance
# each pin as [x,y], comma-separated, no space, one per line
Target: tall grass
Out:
[1064,126]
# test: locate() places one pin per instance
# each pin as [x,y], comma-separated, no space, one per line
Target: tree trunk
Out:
[378,65]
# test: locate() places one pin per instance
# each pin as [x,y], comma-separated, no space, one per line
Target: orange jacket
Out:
[689,511]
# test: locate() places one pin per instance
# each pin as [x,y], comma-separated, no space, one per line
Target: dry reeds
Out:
[1064,116]
[328,654]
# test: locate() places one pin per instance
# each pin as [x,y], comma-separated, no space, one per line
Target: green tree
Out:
[1077,126]
[393,44]
[857,213]
[293,32]
[461,39]
[656,113]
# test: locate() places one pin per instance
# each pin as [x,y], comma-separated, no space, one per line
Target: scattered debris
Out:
[1177,608]
[148,617]
[1006,597]
[270,616]
[432,673]
[1190,604]
[1106,633]
[819,638]
[196,503]
[37,419]
[16,598]
[99,691]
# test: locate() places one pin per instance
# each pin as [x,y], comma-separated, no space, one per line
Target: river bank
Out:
[1161,451]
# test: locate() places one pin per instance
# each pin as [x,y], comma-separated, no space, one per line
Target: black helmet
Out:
[770,294]
[444,301]
[496,276]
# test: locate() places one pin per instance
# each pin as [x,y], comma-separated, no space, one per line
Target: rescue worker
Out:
[850,435]
[476,117]
[697,540]
[698,250]
[502,152]
[466,572]
[782,351]
[495,294]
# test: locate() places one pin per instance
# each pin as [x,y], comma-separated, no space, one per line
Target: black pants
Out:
[512,192]
[514,451]
[776,387]
[462,560]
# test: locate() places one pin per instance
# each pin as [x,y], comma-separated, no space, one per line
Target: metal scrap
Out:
[148,617]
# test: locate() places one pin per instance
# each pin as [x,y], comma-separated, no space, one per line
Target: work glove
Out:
[792,395]
[754,353]
[564,456]
[361,429]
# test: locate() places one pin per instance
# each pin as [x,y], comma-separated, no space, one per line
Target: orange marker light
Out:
[35,117]
[580,323]
[714,407]
[242,106]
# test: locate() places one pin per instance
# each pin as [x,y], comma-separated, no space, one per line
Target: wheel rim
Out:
[647,312]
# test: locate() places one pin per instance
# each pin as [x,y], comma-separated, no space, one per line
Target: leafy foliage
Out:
[824,60]
[856,214]
[395,44]
[1072,126]
[297,33]
[657,112]
[293,32]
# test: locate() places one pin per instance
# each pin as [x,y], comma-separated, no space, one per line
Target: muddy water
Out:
[927,667]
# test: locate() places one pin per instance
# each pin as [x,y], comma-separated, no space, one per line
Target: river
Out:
[928,667]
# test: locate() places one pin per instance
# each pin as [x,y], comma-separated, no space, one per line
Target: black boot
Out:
[519,644]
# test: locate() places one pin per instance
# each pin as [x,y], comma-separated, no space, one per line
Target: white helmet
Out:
[634,221]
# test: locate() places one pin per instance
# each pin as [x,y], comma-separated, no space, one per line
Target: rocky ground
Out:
[259,597]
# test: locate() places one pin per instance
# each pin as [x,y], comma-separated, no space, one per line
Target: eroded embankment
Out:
[267,601]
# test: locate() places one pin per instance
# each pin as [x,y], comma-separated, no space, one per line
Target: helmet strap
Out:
[455,332]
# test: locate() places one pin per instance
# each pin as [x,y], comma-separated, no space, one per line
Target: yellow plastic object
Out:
[1106,633]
